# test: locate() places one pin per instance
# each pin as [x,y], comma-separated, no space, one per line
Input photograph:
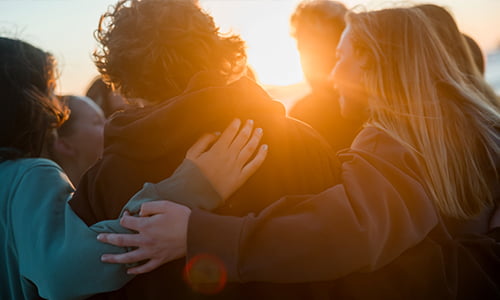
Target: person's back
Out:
[146,144]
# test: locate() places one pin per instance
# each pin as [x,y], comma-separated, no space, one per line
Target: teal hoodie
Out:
[48,251]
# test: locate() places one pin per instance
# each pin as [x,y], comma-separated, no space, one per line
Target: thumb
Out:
[201,145]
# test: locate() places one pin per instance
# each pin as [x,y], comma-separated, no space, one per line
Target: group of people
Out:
[388,187]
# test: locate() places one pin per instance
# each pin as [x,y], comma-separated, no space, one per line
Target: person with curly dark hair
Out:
[47,251]
[152,49]
[190,76]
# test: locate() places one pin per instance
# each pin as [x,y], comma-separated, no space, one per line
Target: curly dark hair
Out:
[150,49]
[29,107]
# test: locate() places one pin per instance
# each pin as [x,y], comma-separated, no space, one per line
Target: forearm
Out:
[187,186]
[56,250]
[309,239]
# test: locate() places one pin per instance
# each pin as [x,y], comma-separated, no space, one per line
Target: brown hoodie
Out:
[147,144]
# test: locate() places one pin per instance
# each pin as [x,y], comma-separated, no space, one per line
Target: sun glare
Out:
[277,63]
[263,24]
[271,50]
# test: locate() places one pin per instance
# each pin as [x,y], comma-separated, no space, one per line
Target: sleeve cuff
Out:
[187,186]
[217,236]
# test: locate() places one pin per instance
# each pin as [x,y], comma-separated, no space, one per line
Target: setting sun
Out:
[264,24]
[271,50]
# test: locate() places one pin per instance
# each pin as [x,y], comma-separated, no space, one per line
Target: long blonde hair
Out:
[421,98]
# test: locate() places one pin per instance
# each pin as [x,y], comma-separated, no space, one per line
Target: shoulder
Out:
[23,165]
[22,171]
[376,141]
[380,150]
[33,178]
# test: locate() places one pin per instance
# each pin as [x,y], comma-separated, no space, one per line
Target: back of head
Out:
[421,97]
[464,51]
[79,143]
[108,100]
[317,26]
[150,49]
[452,38]
[326,14]
[29,109]
[98,91]
[78,106]
[477,53]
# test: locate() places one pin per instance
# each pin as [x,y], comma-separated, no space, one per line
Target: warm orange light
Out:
[205,274]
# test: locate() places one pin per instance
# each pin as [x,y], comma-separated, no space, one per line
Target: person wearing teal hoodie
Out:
[48,251]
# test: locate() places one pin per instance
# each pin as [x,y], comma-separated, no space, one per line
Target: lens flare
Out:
[205,274]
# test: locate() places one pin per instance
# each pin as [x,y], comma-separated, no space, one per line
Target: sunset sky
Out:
[65,28]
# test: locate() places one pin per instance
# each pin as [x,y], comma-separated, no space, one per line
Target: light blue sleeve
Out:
[187,186]
[57,251]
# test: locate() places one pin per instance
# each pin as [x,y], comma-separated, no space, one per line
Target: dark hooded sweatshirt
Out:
[147,144]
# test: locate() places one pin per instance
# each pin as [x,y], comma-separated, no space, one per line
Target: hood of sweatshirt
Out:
[206,105]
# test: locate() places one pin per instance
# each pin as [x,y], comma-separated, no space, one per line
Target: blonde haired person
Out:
[429,150]
[418,95]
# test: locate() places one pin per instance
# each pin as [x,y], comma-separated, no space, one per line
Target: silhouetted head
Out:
[29,108]
[477,53]
[102,94]
[317,25]
[451,37]
[150,49]
[459,48]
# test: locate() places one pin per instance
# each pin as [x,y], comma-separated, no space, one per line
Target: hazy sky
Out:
[65,28]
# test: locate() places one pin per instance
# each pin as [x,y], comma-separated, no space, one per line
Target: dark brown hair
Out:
[29,108]
[150,49]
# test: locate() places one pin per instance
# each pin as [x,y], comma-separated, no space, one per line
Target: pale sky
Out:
[65,28]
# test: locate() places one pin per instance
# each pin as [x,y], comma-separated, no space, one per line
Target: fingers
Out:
[121,239]
[133,223]
[201,145]
[147,267]
[156,207]
[242,137]
[228,134]
[125,258]
[249,148]
[255,163]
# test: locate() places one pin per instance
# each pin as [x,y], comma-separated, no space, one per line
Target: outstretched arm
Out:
[57,252]
[379,211]
[227,164]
